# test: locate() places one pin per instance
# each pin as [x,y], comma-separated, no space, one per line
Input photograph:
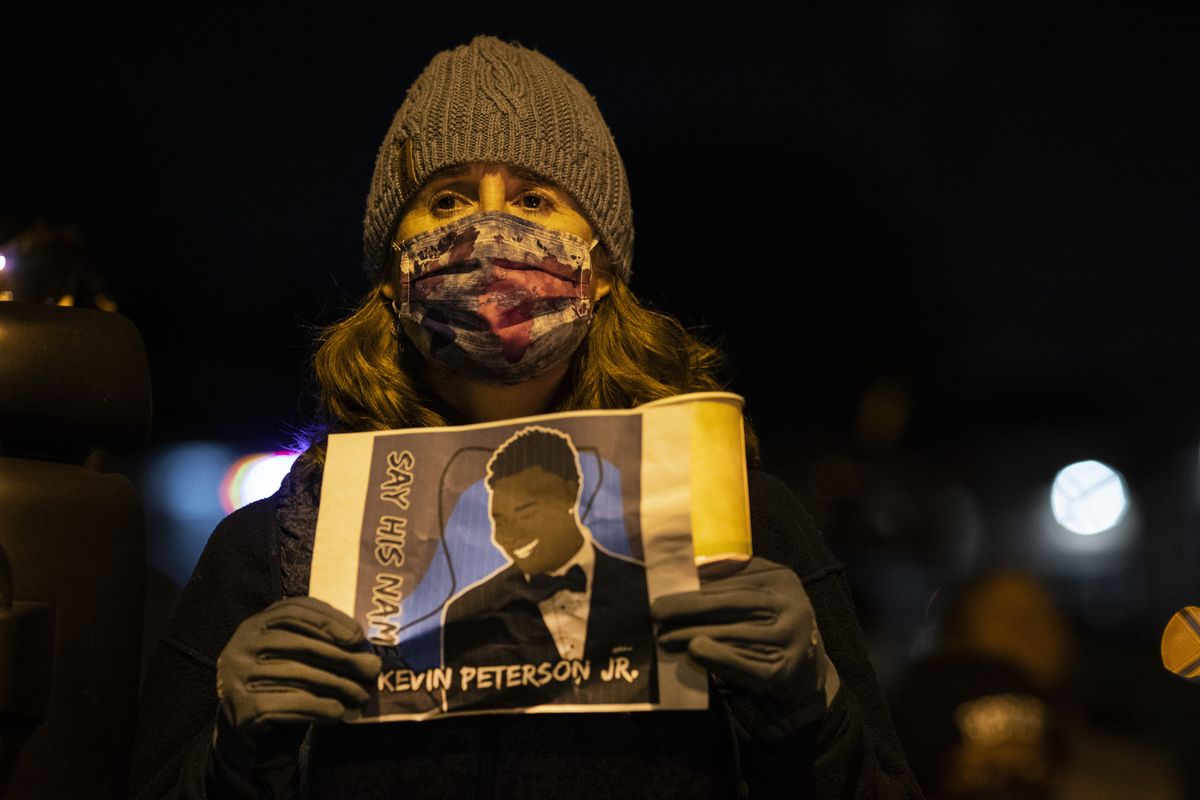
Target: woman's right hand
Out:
[299,660]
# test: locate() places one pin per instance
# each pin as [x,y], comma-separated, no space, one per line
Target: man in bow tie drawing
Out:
[562,598]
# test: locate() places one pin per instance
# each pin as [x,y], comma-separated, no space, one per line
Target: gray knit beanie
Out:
[494,101]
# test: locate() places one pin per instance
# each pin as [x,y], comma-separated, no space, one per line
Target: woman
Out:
[494,141]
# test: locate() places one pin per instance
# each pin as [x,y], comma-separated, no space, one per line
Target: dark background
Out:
[949,250]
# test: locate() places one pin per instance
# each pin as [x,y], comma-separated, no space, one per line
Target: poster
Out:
[509,567]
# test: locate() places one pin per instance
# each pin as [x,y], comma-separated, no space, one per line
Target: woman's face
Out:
[471,188]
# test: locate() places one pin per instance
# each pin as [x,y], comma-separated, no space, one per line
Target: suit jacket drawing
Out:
[496,622]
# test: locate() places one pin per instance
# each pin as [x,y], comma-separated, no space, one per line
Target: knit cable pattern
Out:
[494,101]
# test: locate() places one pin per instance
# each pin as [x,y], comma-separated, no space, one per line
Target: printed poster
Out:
[509,567]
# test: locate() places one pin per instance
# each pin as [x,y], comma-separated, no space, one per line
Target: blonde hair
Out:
[631,355]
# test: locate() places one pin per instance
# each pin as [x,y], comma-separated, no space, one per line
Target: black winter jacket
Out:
[718,753]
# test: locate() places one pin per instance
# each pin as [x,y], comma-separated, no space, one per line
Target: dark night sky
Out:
[996,208]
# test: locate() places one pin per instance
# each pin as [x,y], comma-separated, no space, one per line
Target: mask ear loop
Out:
[585,282]
[396,323]
[397,333]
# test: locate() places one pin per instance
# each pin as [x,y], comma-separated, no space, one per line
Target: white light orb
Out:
[3,263]
[263,477]
[254,477]
[1088,497]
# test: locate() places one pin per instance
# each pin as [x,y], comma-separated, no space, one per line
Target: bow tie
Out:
[543,587]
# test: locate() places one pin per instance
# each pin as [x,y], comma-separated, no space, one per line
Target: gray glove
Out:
[298,661]
[756,630]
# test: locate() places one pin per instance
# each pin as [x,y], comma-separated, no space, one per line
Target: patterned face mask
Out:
[495,297]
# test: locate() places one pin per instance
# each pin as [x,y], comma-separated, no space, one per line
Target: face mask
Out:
[495,297]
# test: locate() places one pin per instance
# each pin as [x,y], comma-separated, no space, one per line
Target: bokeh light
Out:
[180,483]
[1088,497]
[189,487]
[254,477]
[3,262]
[1181,644]
[183,480]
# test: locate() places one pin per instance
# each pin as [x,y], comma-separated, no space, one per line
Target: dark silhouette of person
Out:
[991,712]
[562,598]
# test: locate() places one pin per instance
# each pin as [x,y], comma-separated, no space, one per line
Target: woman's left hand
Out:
[755,630]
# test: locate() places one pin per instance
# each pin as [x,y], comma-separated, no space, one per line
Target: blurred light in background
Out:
[1181,644]
[183,481]
[181,485]
[189,487]
[1088,497]
[254,477]
[3,262]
